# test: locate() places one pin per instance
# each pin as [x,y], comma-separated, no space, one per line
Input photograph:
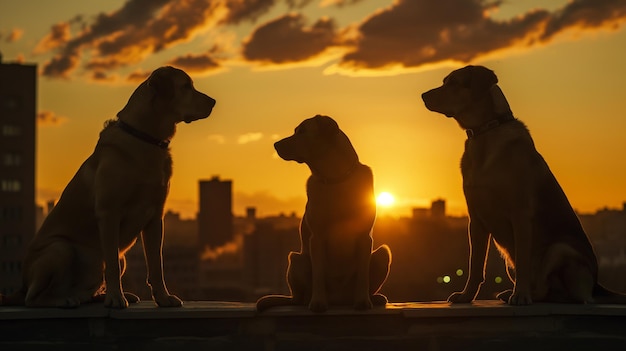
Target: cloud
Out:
[49,118]
[287,39]
[249,138]
[339,3]
[61,65]
[102,76]
[14,35]
[128,35]
[405,34]
[217,138]
[239,10]
[140,28]
[58,36]
[196,63]
[587,14]
[138,76]
[412,33]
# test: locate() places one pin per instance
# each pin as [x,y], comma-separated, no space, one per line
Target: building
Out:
[438,208]
[215,216]
[18,92]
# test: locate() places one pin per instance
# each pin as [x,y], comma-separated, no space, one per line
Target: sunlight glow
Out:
[385,199]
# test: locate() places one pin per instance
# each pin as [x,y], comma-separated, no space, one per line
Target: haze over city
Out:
[270,64]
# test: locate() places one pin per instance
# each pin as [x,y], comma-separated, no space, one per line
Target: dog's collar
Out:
[494,123]
[339,179]
[163,144]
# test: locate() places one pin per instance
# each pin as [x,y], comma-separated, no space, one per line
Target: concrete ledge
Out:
[484,325]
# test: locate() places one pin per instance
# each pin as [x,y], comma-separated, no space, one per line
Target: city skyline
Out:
[360,62]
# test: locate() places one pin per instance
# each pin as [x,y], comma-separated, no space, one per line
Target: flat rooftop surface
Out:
[215,325]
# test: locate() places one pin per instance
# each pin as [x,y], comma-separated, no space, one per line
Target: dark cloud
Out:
[61,65]
[126,36]
[408,33]
[587,14]
[412,33]
[288,39]
[239,10]
[101,76]
[14,35]
[138,76]
[59,35]
[49,118]
[195,63]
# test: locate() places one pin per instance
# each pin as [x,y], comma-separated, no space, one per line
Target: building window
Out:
[11,213]
[11,241]
[11,130]
[10,186]
[10,103]
[10,159]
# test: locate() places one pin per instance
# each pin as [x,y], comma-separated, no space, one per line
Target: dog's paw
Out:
[115,301]
[519,299]
[461,297]
[168,301]
[70,302]
[505,295]
[379,300]
[318,306]
[132,298]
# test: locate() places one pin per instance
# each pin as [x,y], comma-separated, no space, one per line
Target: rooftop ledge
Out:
[214,325]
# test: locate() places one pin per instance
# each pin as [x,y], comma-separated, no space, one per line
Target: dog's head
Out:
[470,95]
[168,92]
[174,90]
[313,139]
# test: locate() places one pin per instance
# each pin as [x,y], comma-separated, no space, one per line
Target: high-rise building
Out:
[18,92]
[215,217]
[438,208]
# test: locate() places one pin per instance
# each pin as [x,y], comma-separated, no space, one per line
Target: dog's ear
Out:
[162,83]
[482,79]
[500,105]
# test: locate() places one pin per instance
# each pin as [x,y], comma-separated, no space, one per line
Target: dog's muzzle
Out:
[208,103]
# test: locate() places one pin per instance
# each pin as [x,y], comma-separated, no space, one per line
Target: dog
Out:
[117,195]
[513,197]
[336,265]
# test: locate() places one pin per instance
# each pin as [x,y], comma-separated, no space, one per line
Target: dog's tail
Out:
[603,295]
[269,301]
[16,299]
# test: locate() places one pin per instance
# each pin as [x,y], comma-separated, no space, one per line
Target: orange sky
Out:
[365,63]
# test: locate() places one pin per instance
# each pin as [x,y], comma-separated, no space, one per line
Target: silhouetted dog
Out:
[336,265]
[116,195]
[512,195]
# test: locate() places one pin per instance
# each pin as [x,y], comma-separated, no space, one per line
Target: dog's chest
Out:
[332,201]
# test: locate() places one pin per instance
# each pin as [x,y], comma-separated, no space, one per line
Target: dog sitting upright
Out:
[513,196]
[336,265]
[117,194]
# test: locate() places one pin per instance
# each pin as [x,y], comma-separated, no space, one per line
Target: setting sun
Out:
[385,199]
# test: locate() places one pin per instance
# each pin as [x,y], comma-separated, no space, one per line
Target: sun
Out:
[385,199]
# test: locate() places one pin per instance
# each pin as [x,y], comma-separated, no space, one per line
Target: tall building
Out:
[18,92]
[438,208]
[215,217]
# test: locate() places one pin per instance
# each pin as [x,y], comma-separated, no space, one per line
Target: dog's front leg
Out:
[319,300]
[522,234]
[109,227]
[152,237]
[362,299]
[479,245]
